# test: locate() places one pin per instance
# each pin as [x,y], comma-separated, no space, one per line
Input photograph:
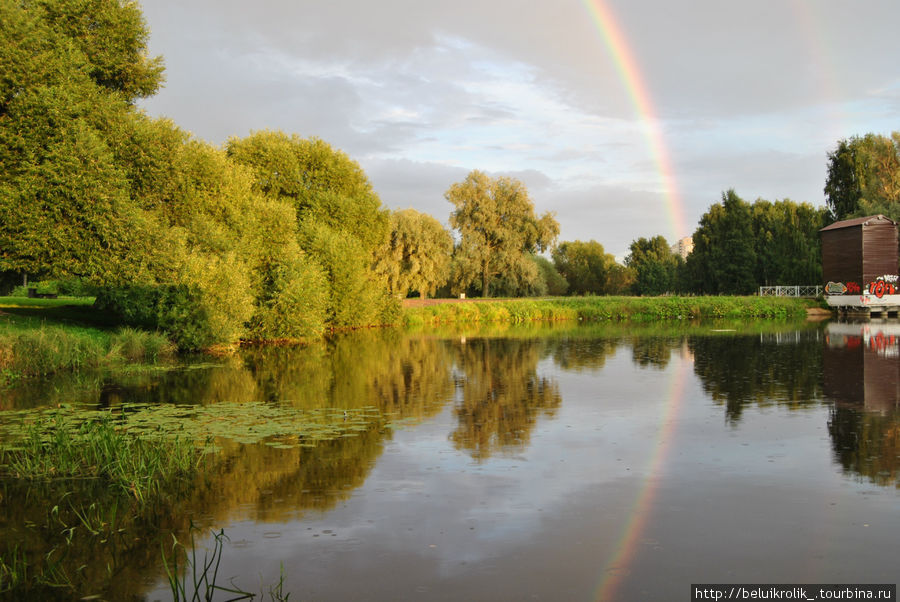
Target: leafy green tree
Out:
[112,35]
[619,279]
[879,157]
[655,266]
[587,267]
[416,257]
[232,255]
[498,230]
[739,246]
[554,283]
[342,225]
[842,188]
[788,250]
[724,255]
[64,203]
[864,177]
[323,184]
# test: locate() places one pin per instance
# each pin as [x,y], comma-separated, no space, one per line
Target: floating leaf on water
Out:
[247,423]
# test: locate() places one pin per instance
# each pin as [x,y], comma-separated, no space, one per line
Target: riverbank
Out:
[638,309]
[45,336]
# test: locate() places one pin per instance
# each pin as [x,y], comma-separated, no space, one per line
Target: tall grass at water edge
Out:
[639,309]
[77,456]
[55,447]
[49,349]
[96,481]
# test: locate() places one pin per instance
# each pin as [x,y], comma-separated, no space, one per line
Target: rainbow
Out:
[627,66]
[626,549]
[617,567]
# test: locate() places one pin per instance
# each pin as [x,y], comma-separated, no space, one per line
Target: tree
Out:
[498,229]
[112,35]
[619,279]
[64,203]
[864,177]
[788,250]
[341,224]
[842,189]
[554,283]
[587,267]
[655,266]
[416,257]
[724,255]
[879,167]
[323,184]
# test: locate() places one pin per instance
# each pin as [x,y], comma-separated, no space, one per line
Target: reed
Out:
[203,583]
[635,309]
[139,465]
[29,351]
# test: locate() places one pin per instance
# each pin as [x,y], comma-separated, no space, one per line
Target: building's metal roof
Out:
[859,221]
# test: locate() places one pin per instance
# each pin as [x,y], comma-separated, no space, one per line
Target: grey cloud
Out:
[613,216]
[403,183]
[395,85]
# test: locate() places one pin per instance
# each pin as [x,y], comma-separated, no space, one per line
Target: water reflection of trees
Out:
[579,354]
[502,394]
[404,377]
[48,526]
[764,369]
[866,443]
[654,351]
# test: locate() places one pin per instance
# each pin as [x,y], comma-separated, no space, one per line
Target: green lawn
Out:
[72,312]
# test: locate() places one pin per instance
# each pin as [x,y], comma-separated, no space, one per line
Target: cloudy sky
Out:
[626,118]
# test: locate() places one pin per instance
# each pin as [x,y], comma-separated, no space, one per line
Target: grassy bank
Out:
[636,309]
[45,336]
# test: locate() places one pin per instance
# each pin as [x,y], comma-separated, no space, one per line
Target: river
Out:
[555,462]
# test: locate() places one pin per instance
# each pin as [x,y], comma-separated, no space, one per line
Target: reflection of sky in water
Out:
[760,499]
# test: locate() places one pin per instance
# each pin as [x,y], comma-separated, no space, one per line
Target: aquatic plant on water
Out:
[110,471]
[204,574]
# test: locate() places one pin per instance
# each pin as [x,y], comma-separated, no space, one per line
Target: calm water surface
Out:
[551,463]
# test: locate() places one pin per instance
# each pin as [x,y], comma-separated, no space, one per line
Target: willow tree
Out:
[341,223]
[71,71]
[416,257]
[498,230]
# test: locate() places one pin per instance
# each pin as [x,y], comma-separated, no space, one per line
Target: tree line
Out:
[276,236]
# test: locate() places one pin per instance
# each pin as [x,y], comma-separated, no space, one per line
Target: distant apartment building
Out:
[683,247]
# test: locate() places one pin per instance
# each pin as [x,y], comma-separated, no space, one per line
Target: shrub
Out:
[293,300]
[355,295]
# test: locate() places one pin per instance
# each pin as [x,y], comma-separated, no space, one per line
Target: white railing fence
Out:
[790,291]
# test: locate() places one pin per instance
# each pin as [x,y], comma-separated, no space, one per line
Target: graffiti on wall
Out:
[889,284]
[839,288]
[883,285]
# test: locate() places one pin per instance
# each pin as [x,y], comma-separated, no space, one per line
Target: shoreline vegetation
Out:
[44,336]
[39,337]
[599,309]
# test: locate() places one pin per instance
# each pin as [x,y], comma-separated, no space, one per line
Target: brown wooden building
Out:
[858,252]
